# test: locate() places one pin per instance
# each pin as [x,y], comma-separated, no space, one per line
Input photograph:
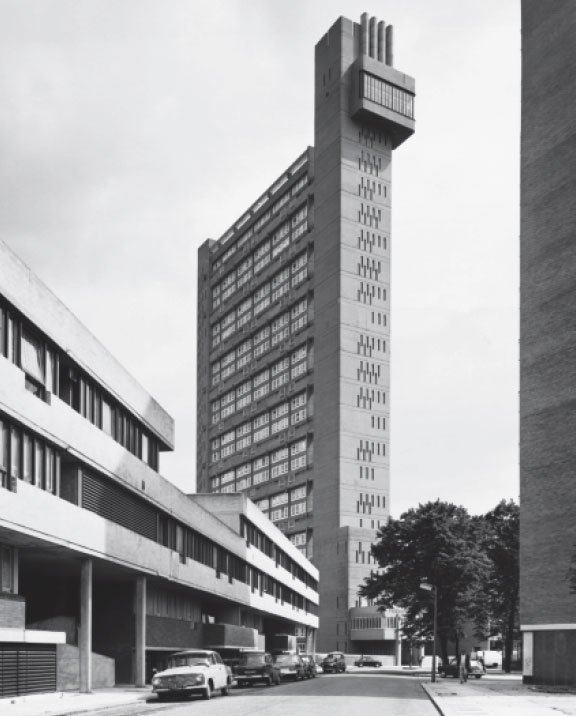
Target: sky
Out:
[131,131]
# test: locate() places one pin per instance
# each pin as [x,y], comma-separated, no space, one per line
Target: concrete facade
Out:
[294,328]
[548,341]
[98,551]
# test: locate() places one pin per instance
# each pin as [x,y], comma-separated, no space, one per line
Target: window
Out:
[279,469]
[298,493]
[298,508]
[279,499]
[298,462]
[6,569]
[261,434]
[261,476]
[32,356]
[3,454]
[298,401]
[298,539]
[298,447]
[279,513]
[386,94]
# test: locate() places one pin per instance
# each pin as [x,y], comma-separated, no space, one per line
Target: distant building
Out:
[548,341]
[105,566]
[294,335]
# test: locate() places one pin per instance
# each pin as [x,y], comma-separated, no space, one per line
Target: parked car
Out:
[426,662]
[310,668]
[491,658]
[257,667]
[451,669]
[290,666]
[367,661]
[193,672]
[334,662]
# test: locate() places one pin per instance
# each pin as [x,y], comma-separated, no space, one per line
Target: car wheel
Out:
[162,697]
[207,694]
[477,676]
[225,690]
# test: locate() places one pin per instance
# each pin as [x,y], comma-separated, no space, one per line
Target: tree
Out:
[497,611]
[435,543]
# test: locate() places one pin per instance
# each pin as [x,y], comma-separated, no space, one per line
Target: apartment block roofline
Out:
[269,194]
[33,298]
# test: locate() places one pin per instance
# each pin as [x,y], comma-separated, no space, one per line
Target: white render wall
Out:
[33,298]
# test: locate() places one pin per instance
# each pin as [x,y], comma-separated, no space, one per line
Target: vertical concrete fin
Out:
[389,45]
[372,43]
[364,33]
[381,42]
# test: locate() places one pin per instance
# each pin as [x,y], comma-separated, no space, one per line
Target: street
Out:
[347,694]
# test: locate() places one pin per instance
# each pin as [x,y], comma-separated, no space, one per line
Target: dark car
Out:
[451,669]
[365,661]
[289,665]
[334,662]
[309,665]
[256,667]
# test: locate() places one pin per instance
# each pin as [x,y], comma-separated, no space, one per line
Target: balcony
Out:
[368,623]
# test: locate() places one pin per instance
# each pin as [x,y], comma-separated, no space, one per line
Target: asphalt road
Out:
[360,693]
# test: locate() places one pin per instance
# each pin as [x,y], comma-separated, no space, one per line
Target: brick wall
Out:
[12,611]
[548,313]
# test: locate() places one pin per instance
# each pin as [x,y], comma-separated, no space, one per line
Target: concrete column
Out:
[140,666]
[85,637]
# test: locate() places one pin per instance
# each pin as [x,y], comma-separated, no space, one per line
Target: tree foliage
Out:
[497,608]
[438,543]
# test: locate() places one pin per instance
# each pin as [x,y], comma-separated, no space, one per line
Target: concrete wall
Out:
[352,191]
[169,632]
[68,669]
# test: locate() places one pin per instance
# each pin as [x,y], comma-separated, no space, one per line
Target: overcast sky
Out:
[132,130]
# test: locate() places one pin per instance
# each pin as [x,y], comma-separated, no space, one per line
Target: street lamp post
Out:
[433,589]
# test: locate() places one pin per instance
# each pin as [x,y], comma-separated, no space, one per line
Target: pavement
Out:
[494,694]
[72,703]
[498,694]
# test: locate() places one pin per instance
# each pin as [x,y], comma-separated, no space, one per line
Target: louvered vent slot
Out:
[27,669]
[119,505]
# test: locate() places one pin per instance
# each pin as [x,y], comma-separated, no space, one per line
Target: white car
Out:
[193,672]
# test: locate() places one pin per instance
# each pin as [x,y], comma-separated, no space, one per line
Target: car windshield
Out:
[331,658]
[251,660]
[284,659]
[191,659]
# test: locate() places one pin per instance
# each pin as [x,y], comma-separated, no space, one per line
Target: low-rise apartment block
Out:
[106,567]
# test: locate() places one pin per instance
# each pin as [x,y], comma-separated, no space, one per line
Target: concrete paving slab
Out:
[497,695]
[68,703]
